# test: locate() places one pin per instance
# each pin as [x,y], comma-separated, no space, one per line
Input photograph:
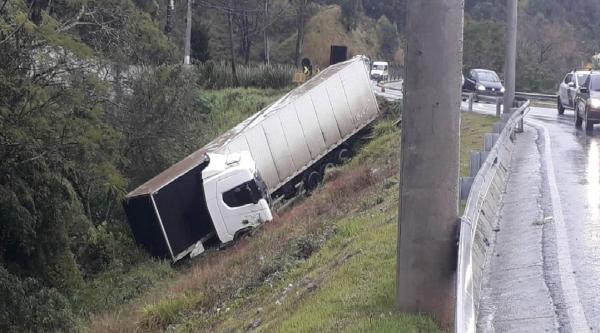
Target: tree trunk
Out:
[300,34]
[267,51]
[243,24]
[231,44]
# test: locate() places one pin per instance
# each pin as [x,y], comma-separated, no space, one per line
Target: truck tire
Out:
[289,191]
[326,166]
[312,180]
[578,119]
[560,107]
[343,155]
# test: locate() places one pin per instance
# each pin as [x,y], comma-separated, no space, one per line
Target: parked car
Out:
[568,89]
[379,71]
[483,82]
[587,102]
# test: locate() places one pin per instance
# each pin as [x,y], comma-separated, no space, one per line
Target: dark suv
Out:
[587,102]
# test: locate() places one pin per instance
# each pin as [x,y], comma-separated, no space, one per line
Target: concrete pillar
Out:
[511,55]
[428,214]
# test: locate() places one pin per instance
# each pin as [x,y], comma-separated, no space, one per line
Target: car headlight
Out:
[480,88]
[595,103]
[502,89]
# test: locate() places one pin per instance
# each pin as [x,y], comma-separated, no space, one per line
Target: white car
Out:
[568,89]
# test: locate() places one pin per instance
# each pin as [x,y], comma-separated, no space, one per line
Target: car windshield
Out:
[379,67]
[488,77]
[595,83]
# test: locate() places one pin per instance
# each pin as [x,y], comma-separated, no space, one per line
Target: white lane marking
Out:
[575,313]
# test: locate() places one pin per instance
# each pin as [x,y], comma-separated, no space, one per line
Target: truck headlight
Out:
[595,103]
[480,88]
[502,90]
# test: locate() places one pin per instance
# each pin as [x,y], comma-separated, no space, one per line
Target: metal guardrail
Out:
[476,225]
[536,96]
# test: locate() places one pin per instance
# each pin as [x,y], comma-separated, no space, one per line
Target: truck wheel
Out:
[326,166]
[560,107]
[343,155]
[312,180]
[578,119]
[289,191]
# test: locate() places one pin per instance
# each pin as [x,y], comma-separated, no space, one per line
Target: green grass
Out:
[231,106]
[473,128]
[325,265]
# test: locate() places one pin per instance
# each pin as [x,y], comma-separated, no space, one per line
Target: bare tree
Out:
[301,9]
[231,44]
[170,10]
[267,46]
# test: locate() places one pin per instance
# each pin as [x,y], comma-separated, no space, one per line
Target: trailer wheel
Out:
[289,191]
[343,155]
[326,166]
[312,181]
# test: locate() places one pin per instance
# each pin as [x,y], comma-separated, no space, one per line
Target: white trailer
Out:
[285,144]
[290,136]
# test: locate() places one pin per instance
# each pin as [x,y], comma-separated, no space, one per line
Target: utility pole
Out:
[428,214]
[188,34]
[510,66]
[267,45]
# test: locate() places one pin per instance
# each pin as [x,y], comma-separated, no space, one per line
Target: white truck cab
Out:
[380,71]
[235,193]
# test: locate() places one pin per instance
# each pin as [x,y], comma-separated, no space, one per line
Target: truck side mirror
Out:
[584,90]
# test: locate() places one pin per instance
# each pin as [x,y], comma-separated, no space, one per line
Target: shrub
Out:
[26,306]
[218,75]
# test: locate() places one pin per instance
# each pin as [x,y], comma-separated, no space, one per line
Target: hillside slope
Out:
[327,264]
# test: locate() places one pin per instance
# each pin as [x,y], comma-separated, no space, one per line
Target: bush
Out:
[215,75]
[26,306]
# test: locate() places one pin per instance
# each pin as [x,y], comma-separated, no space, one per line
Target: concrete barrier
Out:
[477,223]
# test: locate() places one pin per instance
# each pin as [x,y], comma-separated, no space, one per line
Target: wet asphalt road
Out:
[575,154]
[545,268]
[559,247]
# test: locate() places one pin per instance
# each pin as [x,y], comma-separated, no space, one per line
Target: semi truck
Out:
[227,186]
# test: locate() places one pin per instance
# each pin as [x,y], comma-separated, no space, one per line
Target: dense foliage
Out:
[92,103]
[79,126]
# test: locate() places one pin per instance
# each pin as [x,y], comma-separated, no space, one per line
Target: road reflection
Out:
[593,180]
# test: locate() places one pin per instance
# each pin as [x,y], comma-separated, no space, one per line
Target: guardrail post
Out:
[475,162]
[498,106]
[471,98]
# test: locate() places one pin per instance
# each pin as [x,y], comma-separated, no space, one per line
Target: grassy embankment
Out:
[327,264]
